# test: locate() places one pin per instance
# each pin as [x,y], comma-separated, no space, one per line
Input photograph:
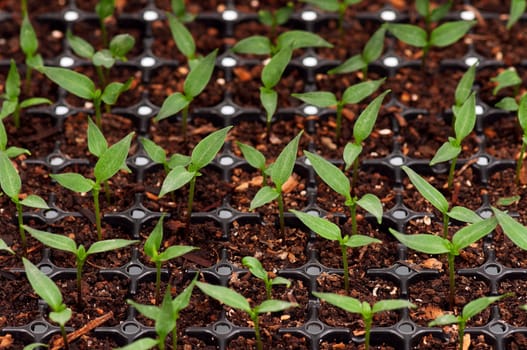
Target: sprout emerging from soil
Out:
[67,244]
[432,244]
[239,302]
[255,159]
[330,231]
[104,10]
[364,309]
[257,270]
[50,293]
[29,45]
[338,6]
[277,17]
[470,310]
[516,10]
[279,172]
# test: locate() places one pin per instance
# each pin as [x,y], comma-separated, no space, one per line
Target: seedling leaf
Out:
[103,58]
[351,152]
[43,285]
[274,306]
[464,214]
[175,251]
[109,244]
[296,39]
[113,159]
[172,105]
[344,302]
[141,344]
[33,101]
[473,232]
[254,157]
[165,321]
[358,92]
[273,70]
[121,44]
[423,243]
[4,246]
[517,8]
[465,118]
[104,8]
[198,78]
[96,142]
[255,267]
[256,44]
[508,104]
[53,240]
[265,195]
[34,201]
[508,77]
[113,90]
[408,33]
[12,83]
[428,191]
[285,162]
[373,48]
[372,204]
[183,299]
[269,99]
[153,242]
[155,152]
[74,182]
[464,87]
[182,36]
[352,64]
[81,47]
[206,149]
[450,32]
[330,174]
[387,305]
[447,151]
[28,37]
[320,226]
[226,296]
[516,232]
[522,113]
[73,82]
[356,241]
[318,98]
[60,317]
[175,179]
[444,320]
[366,120]
[476,306]
[9,178]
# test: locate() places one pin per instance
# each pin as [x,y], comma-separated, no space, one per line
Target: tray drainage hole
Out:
[227,110]
[141,161]
[498,328]
[482,161]
[130,328]
[229,15]
[309,16]
[403,270]
[310,61]
[144,110]
[45,268]
[399,214]
[313,270]
[222,328]
[485,214]
[388,15]
[148,61]
[226,160]
[313,212]
[51,214]
[138,214]
[480,110]
[134,269]
[467,15]
[307,162]
[56,161]
[61,110]
[39,327]
[314,328]
[228,62]
[391,61]
[224,270]
[397,161]
[71,16]
[470,61]
[406,328]
[225,214]
[310,110]
[150,15]
[493,269]
[66,61]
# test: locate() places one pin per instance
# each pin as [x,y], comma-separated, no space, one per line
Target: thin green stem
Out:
[174,336]
[184,122]
[64,337]
[280,200]
[107,191]
[96,208]
[268,287]
[190,203]
[98,118]
[104,34]
[353,214]
[344,251]
[519,163]
[100,75]
[16,116]
[367,331]
[338,128]
[161,344]
[259,344]
[461,334]
[21,225]
[452,280]
[27,82]
[446,220]
[355,174]
[451,173]
[158,282]
[80,264]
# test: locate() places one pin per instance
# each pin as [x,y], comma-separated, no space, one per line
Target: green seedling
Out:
[443,35]
[255,159]
[158,155]
[80,85]
[29,45]
[5,247]
[516,10]
[470,310]
[183,39]
[67,244]
[110,161]
[165,317]
[12,104]
[293,39]
[431,244]
[338,6]
[364,309]
[104,10]
[432,15]
[331,232]
[370,53]
[104,59]
[276,18]
[180,11]
[50,293]
[195,82]
[464,88]
[239,302]
[152,250]
[438,201]
[507,78]
[11,183]
[465,120]
[352,95]
[279,172]
[201,156]
[515,231]
[256,268]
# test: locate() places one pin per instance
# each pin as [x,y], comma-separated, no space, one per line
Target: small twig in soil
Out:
[59,343]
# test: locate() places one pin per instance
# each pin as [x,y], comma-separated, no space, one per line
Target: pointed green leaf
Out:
[388,305]
[4,246]
[264,195]
[34,346]
[356,241]
[269,100]
[97,144]
[74,182]
[178,160]
[183,299]
[53,240]
[175,251]
[121,44]
[283,13]
[516,232]
[8,108]
[149,311]
[273,70]
[3,136]
[423,243]
[506,201]
[71,81]
[373,48]
[422,7]
[105,8]
[317,98]
[465,118]
[346,303]
[256,45]
[358,92]
[113,159]
[507,104]
[9,179]
[153,242]
[175,179]
[330,174]
[141,344]
[255,267]
[464,215]
[450,32]
[113,90]
[28,37]
[522,113]
[476,306]
[108,245]
[409,33]
[516,10]
[34,101]
[366,120]
[508,77]
[165,321]
[280,280]
[61,317]
[182,36]
[198,78]
[226,296]
[173,104]
[43,285]
[430,193]
[254,157]
[464,87]
[13,152]
[103,58]
[352,64]
[265,17]
[285,162]
[350,154]
[443,320]
[34,201]
[206,149]
[274,306]
[296,39]
[446,152]
[372,204]
[320,226]
[12,83]
[80,47]
[440,11]
[473,232]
